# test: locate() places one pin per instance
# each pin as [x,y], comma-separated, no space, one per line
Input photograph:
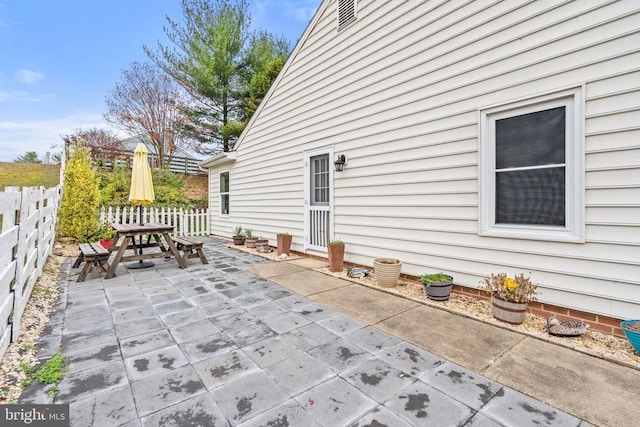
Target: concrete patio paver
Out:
[245,341]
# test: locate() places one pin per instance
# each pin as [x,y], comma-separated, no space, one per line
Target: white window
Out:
[531,168]
[224,193]
[347,12]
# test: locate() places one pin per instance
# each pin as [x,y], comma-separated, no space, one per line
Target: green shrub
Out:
[79,209]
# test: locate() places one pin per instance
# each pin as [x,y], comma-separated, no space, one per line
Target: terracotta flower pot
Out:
[238,240]
[284,244]
[251,243]
[387,271]
[335,254]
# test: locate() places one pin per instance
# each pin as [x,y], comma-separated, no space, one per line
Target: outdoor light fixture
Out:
[340,162]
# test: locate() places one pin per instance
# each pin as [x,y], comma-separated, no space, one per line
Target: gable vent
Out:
[346,12]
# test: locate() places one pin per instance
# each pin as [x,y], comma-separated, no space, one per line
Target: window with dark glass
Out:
[530,168]
[224,193]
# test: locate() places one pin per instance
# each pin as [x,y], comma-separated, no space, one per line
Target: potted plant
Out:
[249,239]
[261,242]
[437,286]
[387,271]
[631,329]
[284,243]
[510,296]
[105,234]
[238,236]
[335,253]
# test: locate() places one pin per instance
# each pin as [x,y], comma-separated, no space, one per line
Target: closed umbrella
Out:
[141,192]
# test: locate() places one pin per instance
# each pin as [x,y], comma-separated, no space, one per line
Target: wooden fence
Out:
[28,220]
[186,223]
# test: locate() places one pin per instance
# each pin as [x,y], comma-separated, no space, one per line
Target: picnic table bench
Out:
[93,255]
[191,248]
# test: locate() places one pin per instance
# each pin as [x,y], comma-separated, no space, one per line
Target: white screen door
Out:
[318,216]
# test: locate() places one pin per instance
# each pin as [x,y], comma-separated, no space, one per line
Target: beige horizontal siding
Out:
[399,92]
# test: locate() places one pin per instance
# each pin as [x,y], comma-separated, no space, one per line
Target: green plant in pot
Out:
[249,239]
[437,286]
[238,236]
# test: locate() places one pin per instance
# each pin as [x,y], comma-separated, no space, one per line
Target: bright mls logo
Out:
[34,415]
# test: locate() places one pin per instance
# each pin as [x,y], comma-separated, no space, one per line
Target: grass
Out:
[28,175]
[51,372]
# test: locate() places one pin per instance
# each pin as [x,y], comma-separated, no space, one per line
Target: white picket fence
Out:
[185,223]
[28,220]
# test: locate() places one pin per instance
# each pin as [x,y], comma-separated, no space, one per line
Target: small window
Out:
[531,169]
[224,193]
[347,12]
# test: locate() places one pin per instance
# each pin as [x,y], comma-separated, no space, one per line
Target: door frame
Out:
[308,154]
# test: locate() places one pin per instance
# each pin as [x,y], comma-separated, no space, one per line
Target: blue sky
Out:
[59,59]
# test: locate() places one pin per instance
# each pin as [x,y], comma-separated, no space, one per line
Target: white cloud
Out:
[18,137]
[21,96]
[28,76]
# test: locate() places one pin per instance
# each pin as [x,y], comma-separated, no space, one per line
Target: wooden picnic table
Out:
[133,236]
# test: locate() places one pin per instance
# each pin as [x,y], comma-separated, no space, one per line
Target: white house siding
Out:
[399,90]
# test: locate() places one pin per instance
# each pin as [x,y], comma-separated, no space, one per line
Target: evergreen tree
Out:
[78,216]
[28,157]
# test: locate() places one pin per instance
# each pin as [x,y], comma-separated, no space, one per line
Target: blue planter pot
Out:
[632,336]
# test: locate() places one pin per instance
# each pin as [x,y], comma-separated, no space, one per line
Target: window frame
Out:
[573,230]
[225,193]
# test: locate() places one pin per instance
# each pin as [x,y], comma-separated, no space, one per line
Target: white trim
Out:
[573,231]
[307,193]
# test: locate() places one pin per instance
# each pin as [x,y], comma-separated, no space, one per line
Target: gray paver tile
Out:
[138,326]
[242,400]
[80,340]
[133,313]
[145,343]
[463,385]
[421,404]
[163,390]
[292,301]
[298,372]
[202,348]
[182,317]
[510,407]
[381,417]
[136,302]
[173,306]
[271,351]
[235,319]
[341,324]
[340,354]
[310,336]
[286,322]
[154,362]
[480,420]
[289,413]
[225,367]
[91,356]
[267,310]
[335,403]
[315,311]
[371,339]
[80,385]
[113,407]
[91,323]
[411,359]
[198,411]
[192,331]
[250,333]
[248,300]
[378,379]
